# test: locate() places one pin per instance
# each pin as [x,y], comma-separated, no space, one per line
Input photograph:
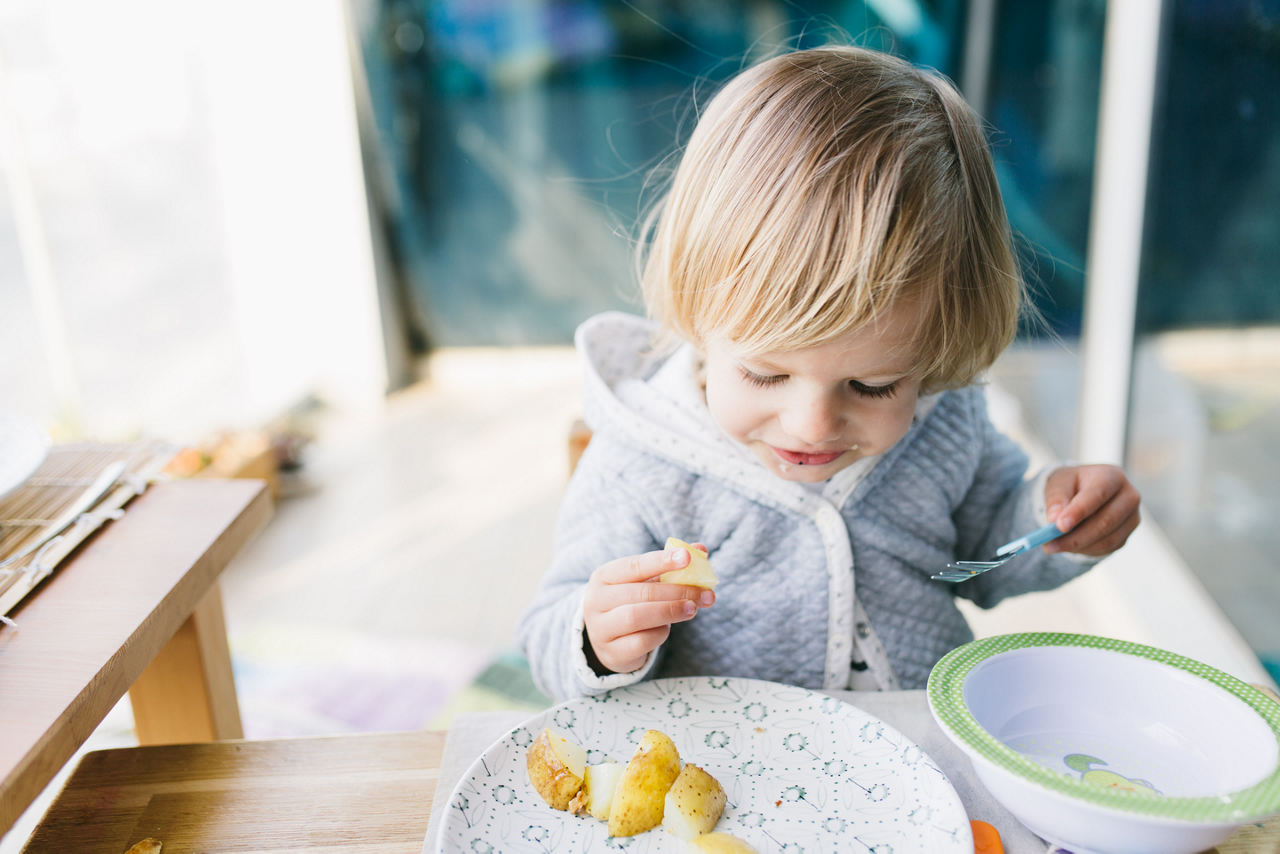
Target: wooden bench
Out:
[335,794]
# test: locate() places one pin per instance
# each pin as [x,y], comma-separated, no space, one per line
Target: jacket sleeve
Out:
[1001,506]
[602,517]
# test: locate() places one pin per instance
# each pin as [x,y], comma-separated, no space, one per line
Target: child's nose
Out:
[815,423]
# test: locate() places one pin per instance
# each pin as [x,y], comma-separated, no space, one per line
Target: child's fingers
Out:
[622,634]
[1109,527]
[1115,539]
[1094,486]
[617,623]
[610,596]
[625,654]
[1108,541]
[626,621]
[1059,489]
[628,570]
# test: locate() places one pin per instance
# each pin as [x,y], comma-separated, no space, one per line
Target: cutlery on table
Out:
[85,502]
[963,570]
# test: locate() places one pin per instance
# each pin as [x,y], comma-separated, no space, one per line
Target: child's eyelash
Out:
[874,390]
[759,381]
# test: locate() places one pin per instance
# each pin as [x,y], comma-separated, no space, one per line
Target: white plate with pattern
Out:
[804,773]
[23,447]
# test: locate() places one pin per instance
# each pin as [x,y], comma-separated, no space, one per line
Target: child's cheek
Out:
[725,409]
[738,409]
[734,411]
[892,423]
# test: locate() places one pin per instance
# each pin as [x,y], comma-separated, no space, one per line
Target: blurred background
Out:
[359,234]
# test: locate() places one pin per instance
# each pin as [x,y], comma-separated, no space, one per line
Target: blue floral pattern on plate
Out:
[804,774]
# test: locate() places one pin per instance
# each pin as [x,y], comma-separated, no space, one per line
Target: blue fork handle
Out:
[1030,541]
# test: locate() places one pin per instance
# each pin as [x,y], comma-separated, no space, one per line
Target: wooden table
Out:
[347,794]
[331,795]
[137,606]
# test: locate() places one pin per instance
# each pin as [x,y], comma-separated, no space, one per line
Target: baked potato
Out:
[719,843]
[599,784]
[556,767]
[693,804]
[642,789]
[698,573]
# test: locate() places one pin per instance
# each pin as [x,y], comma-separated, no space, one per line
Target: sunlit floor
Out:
[369,603]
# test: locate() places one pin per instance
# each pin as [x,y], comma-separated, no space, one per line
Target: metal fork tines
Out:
[963,570]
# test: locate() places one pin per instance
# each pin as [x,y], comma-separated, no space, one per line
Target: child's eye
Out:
[759,381]
[879,391]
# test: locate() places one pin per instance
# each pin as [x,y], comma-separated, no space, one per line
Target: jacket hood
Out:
[628,380]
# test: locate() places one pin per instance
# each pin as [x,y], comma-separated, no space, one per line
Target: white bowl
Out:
[1100,745]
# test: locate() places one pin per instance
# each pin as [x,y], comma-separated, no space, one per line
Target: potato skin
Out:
[694,803]
[548,775]
[638,801]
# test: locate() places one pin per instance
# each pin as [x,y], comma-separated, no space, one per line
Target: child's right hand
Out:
[629,613]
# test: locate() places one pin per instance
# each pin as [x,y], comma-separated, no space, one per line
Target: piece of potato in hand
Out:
[146,846]
[556,766]
[642,789]
[719,843]
[599,784]
[693,803]
[698,573]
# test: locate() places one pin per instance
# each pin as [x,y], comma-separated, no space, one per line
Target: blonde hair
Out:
[818,189]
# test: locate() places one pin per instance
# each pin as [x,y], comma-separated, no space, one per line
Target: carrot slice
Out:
[986,839]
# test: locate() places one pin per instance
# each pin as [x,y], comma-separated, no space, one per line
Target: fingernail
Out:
[1053,510]
[706,597]
[1066,523]
[690,608]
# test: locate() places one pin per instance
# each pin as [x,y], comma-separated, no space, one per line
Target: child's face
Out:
[807,414]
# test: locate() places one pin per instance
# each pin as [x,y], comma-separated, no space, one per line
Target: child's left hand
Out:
[1096,504]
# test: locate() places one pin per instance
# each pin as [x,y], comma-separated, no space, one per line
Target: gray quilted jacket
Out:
[788,557]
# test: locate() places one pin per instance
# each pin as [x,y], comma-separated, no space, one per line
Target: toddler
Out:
[829,273]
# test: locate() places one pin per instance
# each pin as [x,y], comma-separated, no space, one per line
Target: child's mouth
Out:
[798,459]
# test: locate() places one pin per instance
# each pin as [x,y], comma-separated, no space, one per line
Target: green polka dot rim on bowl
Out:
[947,699]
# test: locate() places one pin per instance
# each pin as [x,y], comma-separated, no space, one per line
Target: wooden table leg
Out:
[188,693]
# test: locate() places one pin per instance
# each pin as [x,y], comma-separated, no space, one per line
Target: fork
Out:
[963,570]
